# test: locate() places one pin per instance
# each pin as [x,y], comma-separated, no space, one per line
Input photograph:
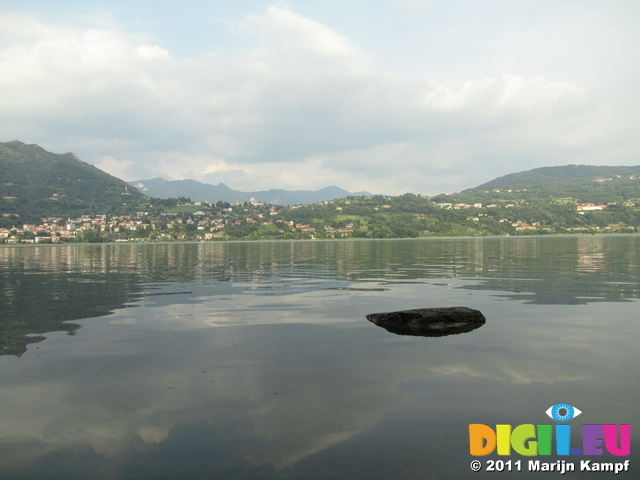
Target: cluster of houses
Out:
[55,229]
[50,230]
[126,227]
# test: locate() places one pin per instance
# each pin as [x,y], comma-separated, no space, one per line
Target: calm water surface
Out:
[256,361]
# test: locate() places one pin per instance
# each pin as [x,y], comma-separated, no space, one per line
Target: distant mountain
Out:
[199,192]
[35,183]
[204,192]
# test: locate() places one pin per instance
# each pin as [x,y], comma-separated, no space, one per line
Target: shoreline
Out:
[213,242]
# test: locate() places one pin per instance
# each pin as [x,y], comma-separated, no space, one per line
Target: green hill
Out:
[35,183]
[580,183]
[541,177]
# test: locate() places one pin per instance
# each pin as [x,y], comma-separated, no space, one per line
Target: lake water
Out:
[256,360]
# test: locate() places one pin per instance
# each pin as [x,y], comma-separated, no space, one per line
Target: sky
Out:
[385,96]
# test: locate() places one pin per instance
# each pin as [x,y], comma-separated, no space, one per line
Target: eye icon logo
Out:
[563,412]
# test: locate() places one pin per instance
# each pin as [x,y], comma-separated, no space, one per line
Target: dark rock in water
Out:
[429,322]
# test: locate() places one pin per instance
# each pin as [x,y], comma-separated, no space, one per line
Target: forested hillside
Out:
[35,183]
[567,199]
[573,183]
[413,215]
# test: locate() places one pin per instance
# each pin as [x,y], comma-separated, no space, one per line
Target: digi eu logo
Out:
[531,440]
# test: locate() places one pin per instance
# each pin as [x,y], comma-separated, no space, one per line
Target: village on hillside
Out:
[406,216]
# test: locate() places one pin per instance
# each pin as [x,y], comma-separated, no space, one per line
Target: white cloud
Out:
[219,166]
[117,167]
[301,107]
[278,26]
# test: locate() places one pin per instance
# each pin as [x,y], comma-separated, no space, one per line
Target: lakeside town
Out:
[351,217]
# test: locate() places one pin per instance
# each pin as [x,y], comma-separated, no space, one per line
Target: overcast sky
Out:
[389,96]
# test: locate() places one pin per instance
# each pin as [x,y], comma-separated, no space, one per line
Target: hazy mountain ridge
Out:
[204,192]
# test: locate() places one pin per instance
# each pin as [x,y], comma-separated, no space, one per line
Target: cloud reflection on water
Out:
[269,376]
[298,389]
